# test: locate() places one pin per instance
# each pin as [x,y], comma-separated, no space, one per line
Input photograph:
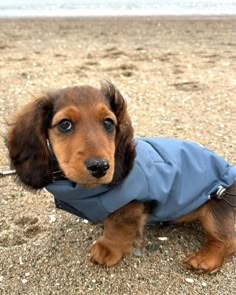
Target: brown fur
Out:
[87,108]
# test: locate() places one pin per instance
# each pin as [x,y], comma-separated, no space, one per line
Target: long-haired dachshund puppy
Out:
[78,143]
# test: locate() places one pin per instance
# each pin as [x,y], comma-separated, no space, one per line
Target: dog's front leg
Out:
[122,229]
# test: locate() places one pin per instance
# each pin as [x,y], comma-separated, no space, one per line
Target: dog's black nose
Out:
[97,167]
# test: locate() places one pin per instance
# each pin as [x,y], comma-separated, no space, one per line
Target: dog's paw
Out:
[204,261]
[102,253]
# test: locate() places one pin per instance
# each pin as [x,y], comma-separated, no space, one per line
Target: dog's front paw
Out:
[102,252]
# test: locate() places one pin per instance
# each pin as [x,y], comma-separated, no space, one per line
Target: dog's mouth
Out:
[89,185]
[85,179]
[59,174]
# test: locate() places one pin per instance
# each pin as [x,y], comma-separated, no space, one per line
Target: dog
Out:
[78,143]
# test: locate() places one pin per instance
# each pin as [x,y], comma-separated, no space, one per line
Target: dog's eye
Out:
[65,125]
[109,125]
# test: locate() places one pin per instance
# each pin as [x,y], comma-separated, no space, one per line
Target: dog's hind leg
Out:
[218,220]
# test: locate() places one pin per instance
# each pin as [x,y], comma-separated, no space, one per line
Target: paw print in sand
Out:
[19,230]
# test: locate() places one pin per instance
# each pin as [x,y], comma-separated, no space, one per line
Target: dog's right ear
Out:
[27,143]
[125,145]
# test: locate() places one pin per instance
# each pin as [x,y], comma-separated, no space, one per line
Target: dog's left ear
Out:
[125,146]
[27,143]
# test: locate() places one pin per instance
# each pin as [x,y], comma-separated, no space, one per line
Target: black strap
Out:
[57,172]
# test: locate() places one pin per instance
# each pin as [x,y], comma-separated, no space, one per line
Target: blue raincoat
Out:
[176,176]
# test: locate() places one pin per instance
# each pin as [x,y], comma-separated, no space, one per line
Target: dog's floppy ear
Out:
[125,146]
[27,143]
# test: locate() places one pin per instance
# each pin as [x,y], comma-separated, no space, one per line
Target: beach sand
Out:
[178,76]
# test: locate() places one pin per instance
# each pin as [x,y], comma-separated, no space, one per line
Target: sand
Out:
[178,76]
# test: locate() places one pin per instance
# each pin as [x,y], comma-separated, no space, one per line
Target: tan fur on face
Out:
[88,139]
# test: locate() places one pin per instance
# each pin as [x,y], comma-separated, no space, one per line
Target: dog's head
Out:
[88,130]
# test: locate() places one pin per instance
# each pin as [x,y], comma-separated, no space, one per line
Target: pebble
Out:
[137,252]
[162,238]
[189,280]
[20,260]
[52,218]
[24,281]
[153,247]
